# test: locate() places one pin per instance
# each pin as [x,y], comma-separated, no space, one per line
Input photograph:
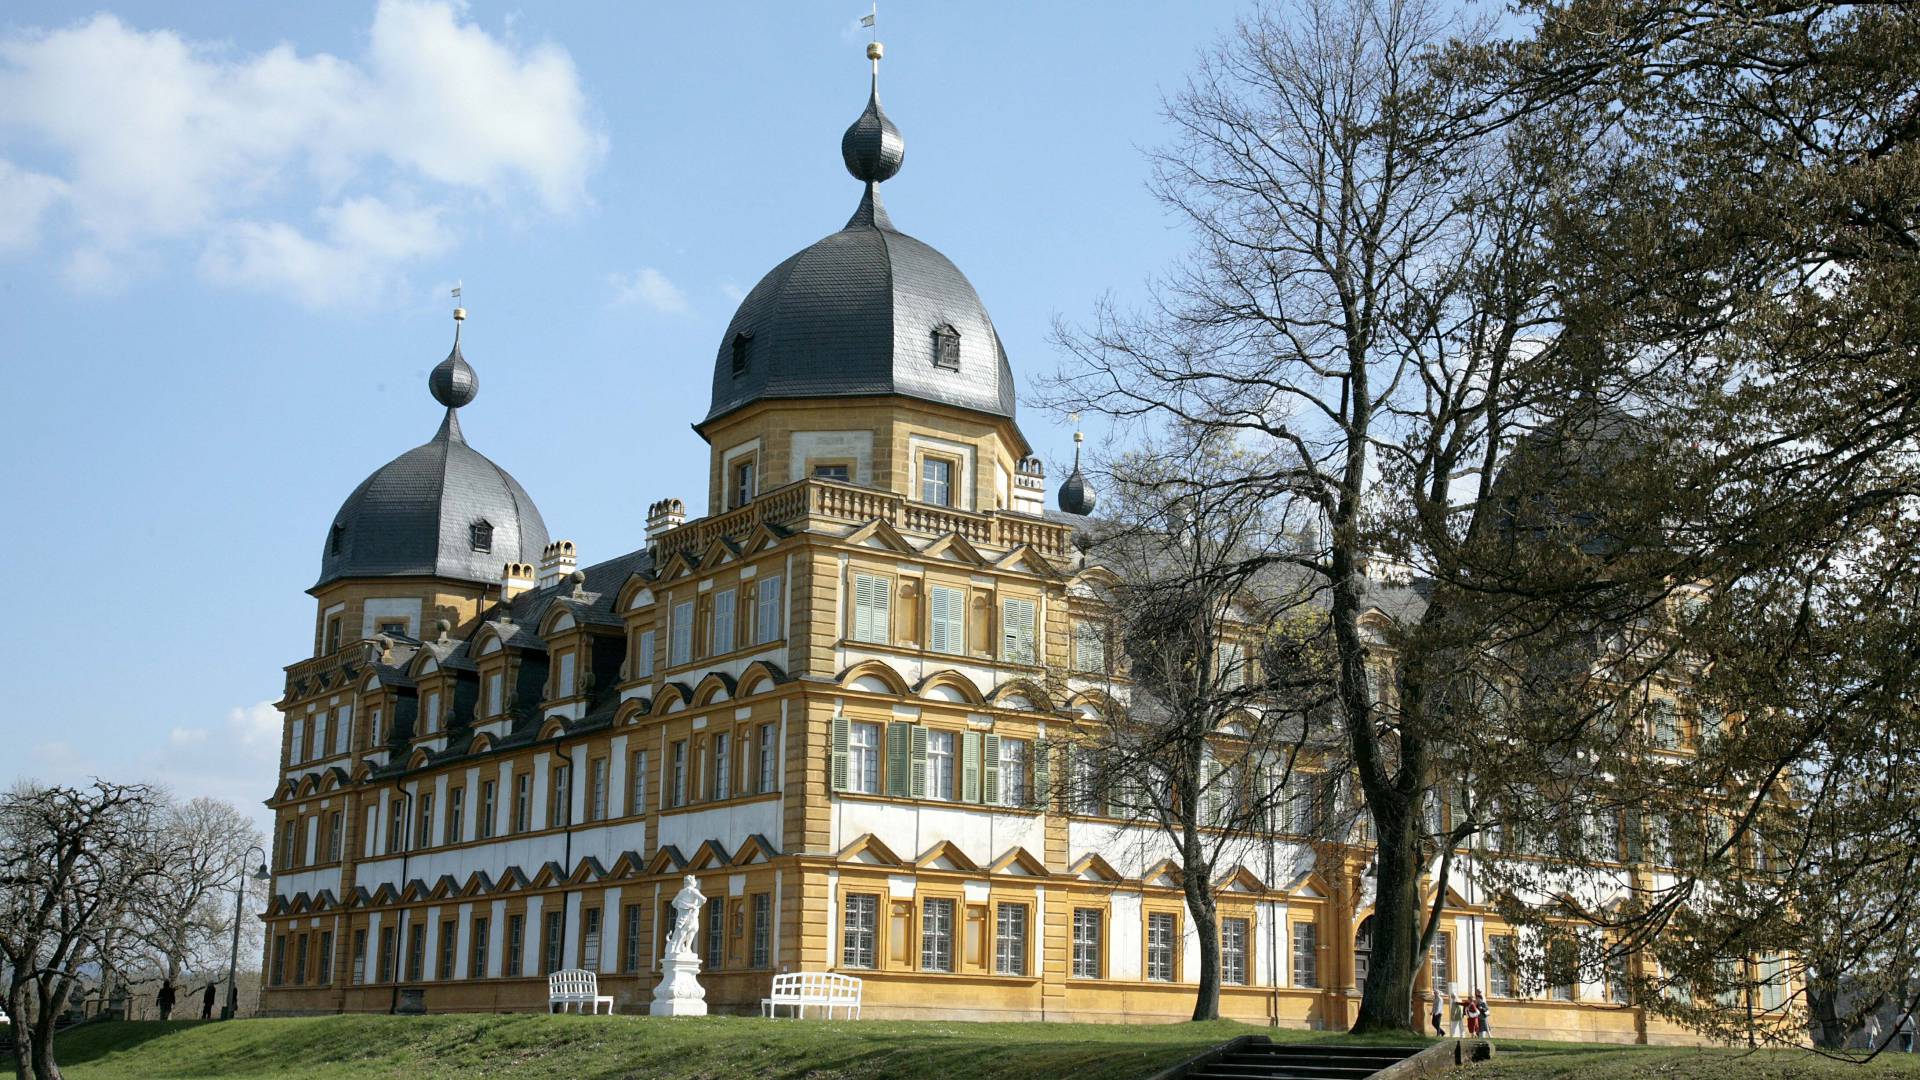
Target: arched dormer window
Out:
[742,353]
[946,347]
[336,538]
[480,535]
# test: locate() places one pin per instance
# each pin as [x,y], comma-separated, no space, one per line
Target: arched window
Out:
[946,347]
[742,352]
[336,538]
[480,535]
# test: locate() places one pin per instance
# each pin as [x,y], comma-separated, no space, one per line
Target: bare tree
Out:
[71,861]
[188,919]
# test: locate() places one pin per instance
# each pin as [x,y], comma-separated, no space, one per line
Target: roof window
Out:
[742,353]
[480,535]
[336,538]
[946,347]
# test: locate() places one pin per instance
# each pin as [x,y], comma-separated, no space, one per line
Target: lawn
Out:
[1553,1061]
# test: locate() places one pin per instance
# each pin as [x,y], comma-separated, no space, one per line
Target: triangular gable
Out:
[760,539]
[478,883]
[946,855]
[719,552]
[549,875]
[679,564]
[1026,559]
[415,890]
[954,548]
[1164,874]
[756,849]
[1240,880]
[881,536]
[511,880]
[627,864]
[868,849]
[667,860]
[710,853]
[444,888]
[1019,862]
[588,870]
[1092,867]
[1309,886]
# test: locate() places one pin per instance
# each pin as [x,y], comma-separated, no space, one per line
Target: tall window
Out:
[741,349]
[939,765]
[643,667]
[550,954]
[279,959]
[947,619]
[597,789]
[590,939]
[946,347]
[477,953]
[716,929]
[936,481]
[630,939]
[456,826]
[416,951]
[495,692]
[565,681]
[516,945]
[1017,631]
[389,941]
[856,933]
[396,827]
[443,963]
[333,634]
[299,959]
[872,598]
[431,721]
[359,966]
[522,802]
[1442,960]
[1160,933]
[560,808]
[1086,943]
[425,833]
[722,765]
[769,763]
[1010,940]
[287,831]
[326,958]
[1500,965]
[1616,978]
[863,758]
[336,825]
[637,799]
[1562,969]
[762,929]
[1233,951]
[1665,724]
[1089,647]
[767,607]
[489,806]
[936,935]
[682,644]
[679,791]
[723,605]
[743,482]
[1306,954]
[1013,772]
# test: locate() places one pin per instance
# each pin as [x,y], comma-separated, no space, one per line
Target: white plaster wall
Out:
[982,833]
[1123,936]
[731,825]
[308,881]
[830,445]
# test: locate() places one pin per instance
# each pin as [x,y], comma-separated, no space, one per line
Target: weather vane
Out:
[870,18]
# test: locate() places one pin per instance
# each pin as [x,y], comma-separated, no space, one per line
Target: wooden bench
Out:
[577,988]
[800,989]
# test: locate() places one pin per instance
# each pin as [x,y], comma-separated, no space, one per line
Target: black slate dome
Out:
[868,310]
[442,509]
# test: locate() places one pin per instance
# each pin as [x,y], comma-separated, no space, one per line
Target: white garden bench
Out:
[803,988]
[578,988]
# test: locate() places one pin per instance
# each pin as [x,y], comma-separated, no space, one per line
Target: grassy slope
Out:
[1548,1061]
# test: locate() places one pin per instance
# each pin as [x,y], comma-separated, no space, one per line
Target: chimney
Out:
[1029,486]
[556,562]
[515,578]
[663,517]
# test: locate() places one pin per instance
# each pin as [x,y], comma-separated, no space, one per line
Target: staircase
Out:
[1300,1061]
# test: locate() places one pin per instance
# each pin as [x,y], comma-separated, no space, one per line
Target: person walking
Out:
[206,1003]
[1481,1015]
[1457,1013]
[1439,1011]
[165,999]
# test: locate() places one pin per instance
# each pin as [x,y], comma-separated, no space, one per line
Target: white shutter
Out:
[1016,629]
[870,608]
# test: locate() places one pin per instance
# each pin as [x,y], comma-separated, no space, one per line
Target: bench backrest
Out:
[816,986]
[573,981]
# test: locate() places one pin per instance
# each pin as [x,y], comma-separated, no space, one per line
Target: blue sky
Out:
[227,231]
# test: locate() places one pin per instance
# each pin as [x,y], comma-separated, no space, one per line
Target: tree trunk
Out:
[1387,1003]
[1206,928]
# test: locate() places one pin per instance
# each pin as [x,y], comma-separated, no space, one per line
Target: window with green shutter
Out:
[1017,625]
[917,754]
[899,756]
[838,753]
[990,770]
[1089,647]
[947,619]
[970,755]
[871,608]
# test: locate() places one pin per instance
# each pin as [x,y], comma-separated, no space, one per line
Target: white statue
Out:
[680,992]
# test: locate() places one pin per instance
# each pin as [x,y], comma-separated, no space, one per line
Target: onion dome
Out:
[442,509]
[866,311]
[1076,495]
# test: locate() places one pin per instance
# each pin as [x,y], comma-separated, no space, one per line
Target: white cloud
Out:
[365,245]
[648,288]
[732,292]
[152,137]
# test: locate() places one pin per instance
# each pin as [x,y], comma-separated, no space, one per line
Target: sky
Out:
[228,231]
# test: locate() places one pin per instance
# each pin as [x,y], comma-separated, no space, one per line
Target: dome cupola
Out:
[442,509]
[1076,495]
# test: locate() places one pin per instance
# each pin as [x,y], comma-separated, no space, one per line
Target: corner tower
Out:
[867,358]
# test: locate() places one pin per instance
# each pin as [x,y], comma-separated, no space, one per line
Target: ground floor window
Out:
[1442,962]
[1306,954]
[477,955]
[762,929]
[1086,943]
[590,939]
[516,944]
[359,957]
[936,936]
[444,962]
[857,932]
[279,959]
[300,960]
[416,951]
[1010,940]
[1233,951]
[389,941]
[630,940]
[716,931]
[550,953]
[1501,956]
[1160,936]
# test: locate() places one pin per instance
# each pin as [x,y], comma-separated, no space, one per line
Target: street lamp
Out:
[239,897]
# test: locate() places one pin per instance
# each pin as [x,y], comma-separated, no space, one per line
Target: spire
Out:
[1076,495]
[872,147]
[453,382]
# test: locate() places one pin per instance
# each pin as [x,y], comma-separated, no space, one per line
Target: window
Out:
[856,935]
[936,481]
[336,538]
[871,608]
[1232,659]
[743,482]
[1727,977]
[1160,932]
[416,952]
[565,681]
[336,824]
[297,745]
[630,939]
[767,613]
[522,802]
[456,829]
[1089,647]
[722,637]
[681,647]
[1501,957]
[936,935]
[1441,958]
[333,634]
[1233,951]
[496,702]
[716,929]
[1665,722]
[286,843]
[425,832]
[550,953]
[742,350]
[394,629]
[359,967]
[946,347]
[842,473]
[1086,943]
[373,732]
[279,959]
[430,716]
[516,945]
[480,536]
[477,954]
[1010,940]
[947,619]
[444,962]
[762,929]
[863,758]
[300,960]
[940,765]
[680,773]
[722,765]
[1013,772]
[637,799]
[1016,631]
[488,802]
[1306,955]
[397,827]
[342,725]
[643,668]
[1562,969]
[597,789]
[590,939]
[769,763]
[1773,982]
[560,804]
[320,735]
[325,975]
[1616,978]
[389,940]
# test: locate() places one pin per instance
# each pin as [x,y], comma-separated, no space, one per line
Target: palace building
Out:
[835,697]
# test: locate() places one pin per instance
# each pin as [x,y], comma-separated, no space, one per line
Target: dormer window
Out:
[336,538]
[480,535]
[946,347]
[742,353]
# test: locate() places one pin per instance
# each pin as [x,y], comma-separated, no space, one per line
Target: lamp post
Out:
[239,897]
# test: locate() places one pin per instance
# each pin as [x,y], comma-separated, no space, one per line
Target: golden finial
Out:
[459,313]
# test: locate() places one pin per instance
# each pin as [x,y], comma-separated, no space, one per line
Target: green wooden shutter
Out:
[970,767]
[990,771]
[897,759]
[918,753]
[1042,772]
[839,754]
[1070,793]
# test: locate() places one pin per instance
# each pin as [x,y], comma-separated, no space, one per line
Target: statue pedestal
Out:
[680,992]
